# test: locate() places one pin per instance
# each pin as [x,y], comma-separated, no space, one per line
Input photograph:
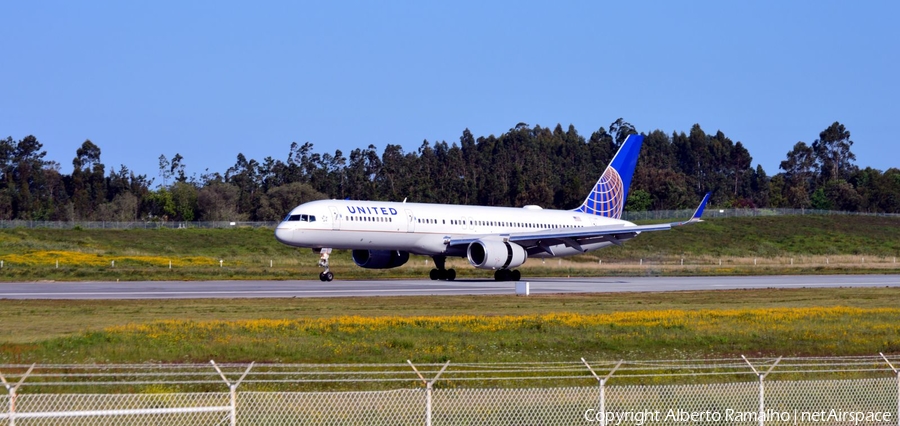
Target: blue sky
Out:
[212,79]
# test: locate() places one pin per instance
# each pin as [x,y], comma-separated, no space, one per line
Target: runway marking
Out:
[312,289]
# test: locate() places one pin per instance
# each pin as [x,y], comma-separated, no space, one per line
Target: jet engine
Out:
[493,254]
[380,259]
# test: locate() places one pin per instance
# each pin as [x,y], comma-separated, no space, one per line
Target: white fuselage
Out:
[423,229]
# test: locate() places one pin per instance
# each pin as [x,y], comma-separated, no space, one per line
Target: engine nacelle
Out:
[492,254]
[380,259]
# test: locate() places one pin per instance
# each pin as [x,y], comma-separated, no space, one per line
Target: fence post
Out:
[897,372]
[602,383]
[428,387]
[762,406]
[232,388]
[12,389]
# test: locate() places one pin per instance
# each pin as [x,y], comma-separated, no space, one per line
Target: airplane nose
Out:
[283,235]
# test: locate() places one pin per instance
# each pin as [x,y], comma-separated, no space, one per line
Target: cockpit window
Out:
[300,218]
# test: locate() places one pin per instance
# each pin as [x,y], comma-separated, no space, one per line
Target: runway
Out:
[276,289]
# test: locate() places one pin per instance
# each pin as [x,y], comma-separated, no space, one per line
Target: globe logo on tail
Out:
[607,199]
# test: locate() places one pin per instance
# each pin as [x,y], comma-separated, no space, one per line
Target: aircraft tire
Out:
[322,276]
[328,276]
[434,275]
[515,275]
[501,275]
[451,274]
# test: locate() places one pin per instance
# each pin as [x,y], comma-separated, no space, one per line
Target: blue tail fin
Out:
[609,195]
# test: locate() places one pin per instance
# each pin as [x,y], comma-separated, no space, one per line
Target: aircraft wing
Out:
[541,241]
[577,237]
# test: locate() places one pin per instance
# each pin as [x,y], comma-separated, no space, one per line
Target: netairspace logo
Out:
[647,417]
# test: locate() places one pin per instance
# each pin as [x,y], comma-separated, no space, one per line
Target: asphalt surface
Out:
[274,289]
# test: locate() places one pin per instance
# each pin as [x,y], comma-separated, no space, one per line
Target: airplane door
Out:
[335,218]
[410,222]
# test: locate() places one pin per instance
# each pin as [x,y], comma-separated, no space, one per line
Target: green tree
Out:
[819,200]
[390,180]
[833,155]
[218,202]
[278,201]
[244,176]
[88,184]
[842,195]
[885,193]
[638,201]
[176,168]
[740,163]
[123,208]
[160,205]
[7,185]
[165,170]
[759,187]
[799,173]
[620,130]
[184,198]
[25,179]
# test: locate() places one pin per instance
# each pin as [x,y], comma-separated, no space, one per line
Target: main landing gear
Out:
[440,273]
[325,275]
[507,275]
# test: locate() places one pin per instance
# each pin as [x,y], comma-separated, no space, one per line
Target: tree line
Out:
[553,168]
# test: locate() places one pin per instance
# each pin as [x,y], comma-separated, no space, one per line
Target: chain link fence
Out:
[791,391]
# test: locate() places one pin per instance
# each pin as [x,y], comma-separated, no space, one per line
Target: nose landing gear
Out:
[325,275]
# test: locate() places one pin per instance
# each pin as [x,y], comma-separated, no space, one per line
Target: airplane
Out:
[383,234]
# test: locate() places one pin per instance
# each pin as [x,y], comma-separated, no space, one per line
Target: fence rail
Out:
[742,391]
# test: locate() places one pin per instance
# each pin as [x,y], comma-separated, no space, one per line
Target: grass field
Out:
[732,246]
[795,322]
